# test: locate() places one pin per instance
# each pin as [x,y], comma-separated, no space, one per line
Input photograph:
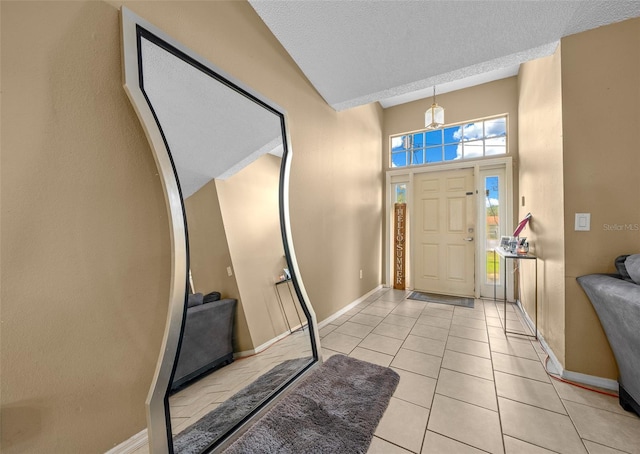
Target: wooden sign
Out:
[399,251]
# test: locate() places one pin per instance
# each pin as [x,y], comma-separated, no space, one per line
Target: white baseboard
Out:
[591,380]
[325,322]
[347,308]
[129,446]
[270,342]
[262,347]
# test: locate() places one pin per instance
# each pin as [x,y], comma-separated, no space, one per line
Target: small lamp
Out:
[434,116]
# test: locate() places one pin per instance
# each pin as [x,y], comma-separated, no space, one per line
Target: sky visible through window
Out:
[463,141]
[491,187]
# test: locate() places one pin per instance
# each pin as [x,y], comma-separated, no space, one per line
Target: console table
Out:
[506,255]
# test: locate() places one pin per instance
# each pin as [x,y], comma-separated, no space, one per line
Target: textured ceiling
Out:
[394,51]
[212,130]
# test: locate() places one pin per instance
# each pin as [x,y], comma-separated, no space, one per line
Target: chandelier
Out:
[434,116]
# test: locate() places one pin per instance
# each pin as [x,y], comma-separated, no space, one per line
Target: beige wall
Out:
[601,120]
[541,177]
[85,241]
[579,117]
[250,212]
[209,256]
[336,210]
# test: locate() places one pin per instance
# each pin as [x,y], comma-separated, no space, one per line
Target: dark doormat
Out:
[442,299]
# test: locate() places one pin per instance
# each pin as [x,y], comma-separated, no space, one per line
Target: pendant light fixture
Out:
[434,116]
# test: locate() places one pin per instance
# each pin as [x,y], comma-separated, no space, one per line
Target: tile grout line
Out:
[426,428]
[574,424]
[424,437]
[537,446]
[465,402]
[534,406]
[630,415]
[495,388]
[605,446]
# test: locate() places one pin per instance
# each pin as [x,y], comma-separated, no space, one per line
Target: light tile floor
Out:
[465,387]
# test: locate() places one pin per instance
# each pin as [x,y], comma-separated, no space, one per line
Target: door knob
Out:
[469,238]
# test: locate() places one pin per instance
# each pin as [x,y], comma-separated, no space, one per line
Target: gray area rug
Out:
[336,409]
[197,437]
[442,299]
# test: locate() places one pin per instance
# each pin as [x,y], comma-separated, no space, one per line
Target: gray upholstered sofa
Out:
[616,299]
[207,342]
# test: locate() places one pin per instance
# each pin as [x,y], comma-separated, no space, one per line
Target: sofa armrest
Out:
[617,303]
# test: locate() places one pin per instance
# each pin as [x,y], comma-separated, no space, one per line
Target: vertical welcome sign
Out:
[399,259]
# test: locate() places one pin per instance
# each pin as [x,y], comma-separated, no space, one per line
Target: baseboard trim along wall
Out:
[556,366]
[262,347]
[129,446]
[325,322]
[347,308]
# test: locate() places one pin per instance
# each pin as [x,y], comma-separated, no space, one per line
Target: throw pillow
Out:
[211,297]
[632,264]
[622,269]
[195,299]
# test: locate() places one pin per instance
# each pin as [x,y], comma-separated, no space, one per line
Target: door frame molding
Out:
[406,175]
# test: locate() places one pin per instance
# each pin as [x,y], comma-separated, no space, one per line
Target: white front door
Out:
[444,232]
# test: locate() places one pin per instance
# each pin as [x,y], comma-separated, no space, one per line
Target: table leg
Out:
[535,262]
[505,295]
[295,306]
[284,313]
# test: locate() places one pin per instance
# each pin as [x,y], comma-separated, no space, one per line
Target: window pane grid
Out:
[466,140]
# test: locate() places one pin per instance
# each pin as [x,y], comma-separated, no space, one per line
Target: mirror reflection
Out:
[245,332]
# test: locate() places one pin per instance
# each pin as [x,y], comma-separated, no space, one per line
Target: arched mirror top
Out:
[205,129]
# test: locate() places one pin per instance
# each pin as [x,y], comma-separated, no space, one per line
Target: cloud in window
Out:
[495,145]
[495,127]
[471,131]
[396,142]
[471,150]
[491,202]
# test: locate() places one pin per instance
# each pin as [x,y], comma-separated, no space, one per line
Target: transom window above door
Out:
[468,140]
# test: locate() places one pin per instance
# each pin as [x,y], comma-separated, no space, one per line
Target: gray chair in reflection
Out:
[207,342]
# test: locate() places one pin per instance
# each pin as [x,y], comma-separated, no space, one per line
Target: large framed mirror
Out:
[240,330]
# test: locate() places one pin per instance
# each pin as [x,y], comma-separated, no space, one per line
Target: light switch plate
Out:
[583,222]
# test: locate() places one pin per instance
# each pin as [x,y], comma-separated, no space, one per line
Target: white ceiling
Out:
[395,51]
